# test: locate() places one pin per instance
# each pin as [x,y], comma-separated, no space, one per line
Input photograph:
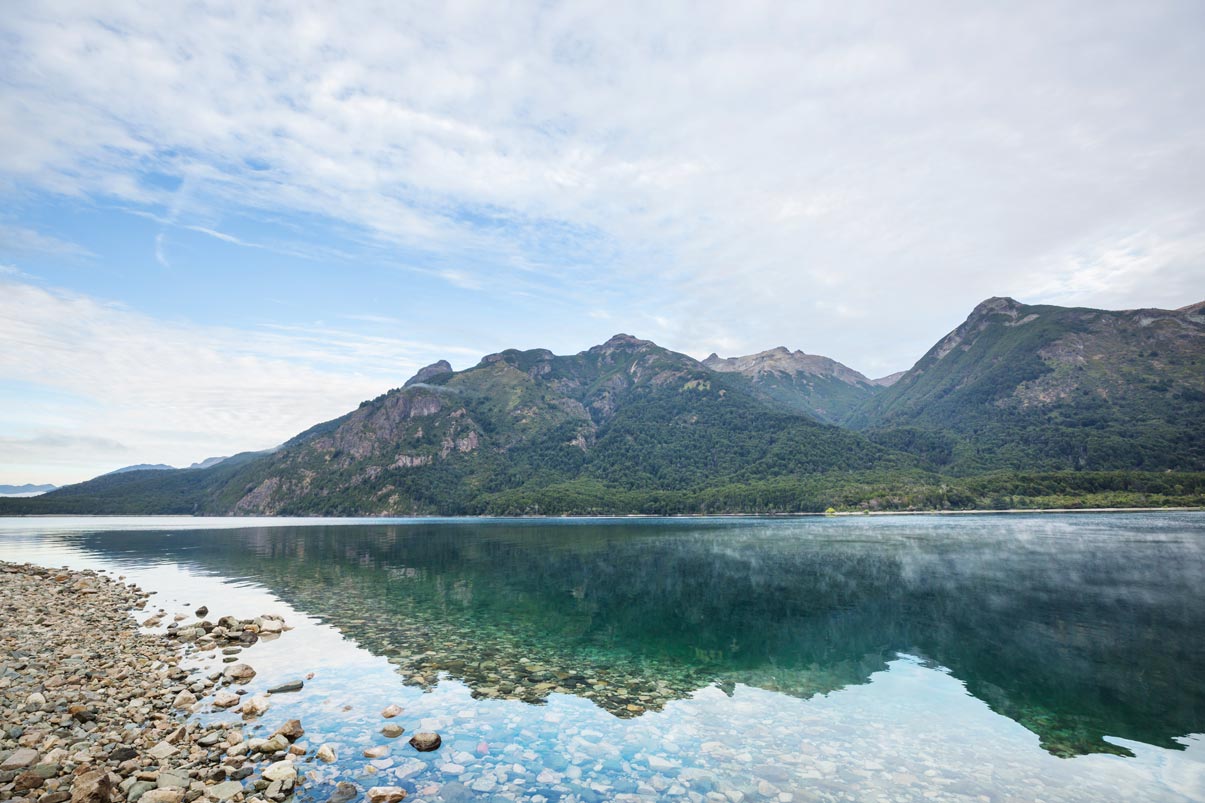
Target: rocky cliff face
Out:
[433,370]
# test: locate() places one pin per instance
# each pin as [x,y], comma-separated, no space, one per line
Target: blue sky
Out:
[222,222]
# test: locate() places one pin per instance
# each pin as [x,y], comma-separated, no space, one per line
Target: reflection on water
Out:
[645,636]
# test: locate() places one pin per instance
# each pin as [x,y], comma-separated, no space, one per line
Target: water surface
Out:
[898,658]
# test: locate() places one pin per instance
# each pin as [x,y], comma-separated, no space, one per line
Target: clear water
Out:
[990,658]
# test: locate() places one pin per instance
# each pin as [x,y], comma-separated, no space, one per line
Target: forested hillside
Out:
[1020,406]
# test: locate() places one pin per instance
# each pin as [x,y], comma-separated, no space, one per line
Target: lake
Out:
[993,658]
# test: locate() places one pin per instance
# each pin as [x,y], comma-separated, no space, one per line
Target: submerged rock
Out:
[425,742]
[254,707]
[344,793]
[386,794]
[226,699]
[291,730]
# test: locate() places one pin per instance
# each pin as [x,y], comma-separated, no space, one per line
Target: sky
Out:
[222,222]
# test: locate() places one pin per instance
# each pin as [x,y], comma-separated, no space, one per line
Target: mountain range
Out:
[1021,405]
[206,463]
[28,489]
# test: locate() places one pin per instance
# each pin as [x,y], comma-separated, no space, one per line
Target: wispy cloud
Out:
[139,389]
[161,250]
[16,239]
[714,166]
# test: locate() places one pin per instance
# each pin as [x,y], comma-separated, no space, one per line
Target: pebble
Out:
[425,742]
[385,794]
[344,793]
[280,771]
[254,707]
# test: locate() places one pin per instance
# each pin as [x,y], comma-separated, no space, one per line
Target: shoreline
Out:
[99,709]
[572,516]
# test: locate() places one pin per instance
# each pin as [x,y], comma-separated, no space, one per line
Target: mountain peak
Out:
[784,361]
[620,340]
[997,304]
[434,369]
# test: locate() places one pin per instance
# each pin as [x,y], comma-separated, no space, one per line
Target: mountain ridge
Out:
[629,426]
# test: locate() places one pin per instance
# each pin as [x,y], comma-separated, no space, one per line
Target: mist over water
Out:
[822,659]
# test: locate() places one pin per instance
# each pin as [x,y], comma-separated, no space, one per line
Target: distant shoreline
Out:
[835,514]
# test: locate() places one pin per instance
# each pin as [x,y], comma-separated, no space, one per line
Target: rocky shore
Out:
[96,709]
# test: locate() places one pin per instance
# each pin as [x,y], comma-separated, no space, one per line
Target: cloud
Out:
[160,251]
[24,240]
[109,385]
[713,170]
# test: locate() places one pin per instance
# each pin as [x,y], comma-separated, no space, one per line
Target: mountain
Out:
[141,467]
[28,489]
[1023,386]
[520,428]
[889,380]
[209,461]
[1020,406]
[206,463]
[810,384]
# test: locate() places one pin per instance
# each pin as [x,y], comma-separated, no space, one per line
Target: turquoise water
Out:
[895,658]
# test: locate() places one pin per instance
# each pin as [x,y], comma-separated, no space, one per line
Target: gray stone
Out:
[138,789]
[344,793]
[224,790]
[20,759]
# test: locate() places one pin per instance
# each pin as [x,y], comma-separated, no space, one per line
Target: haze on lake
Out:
[913,658]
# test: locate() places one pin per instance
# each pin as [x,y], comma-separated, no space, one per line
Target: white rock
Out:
[167,795]
[226,699]
[326,754]
[161,751]
[281,771]
[385,794]
[239,672]
[390,712]
[255,707]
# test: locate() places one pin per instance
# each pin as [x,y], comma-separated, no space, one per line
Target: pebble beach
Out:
[99,707]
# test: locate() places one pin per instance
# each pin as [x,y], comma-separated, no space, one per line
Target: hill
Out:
[1020,386]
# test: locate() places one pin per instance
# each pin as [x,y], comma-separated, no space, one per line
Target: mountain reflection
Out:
[1076,630]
